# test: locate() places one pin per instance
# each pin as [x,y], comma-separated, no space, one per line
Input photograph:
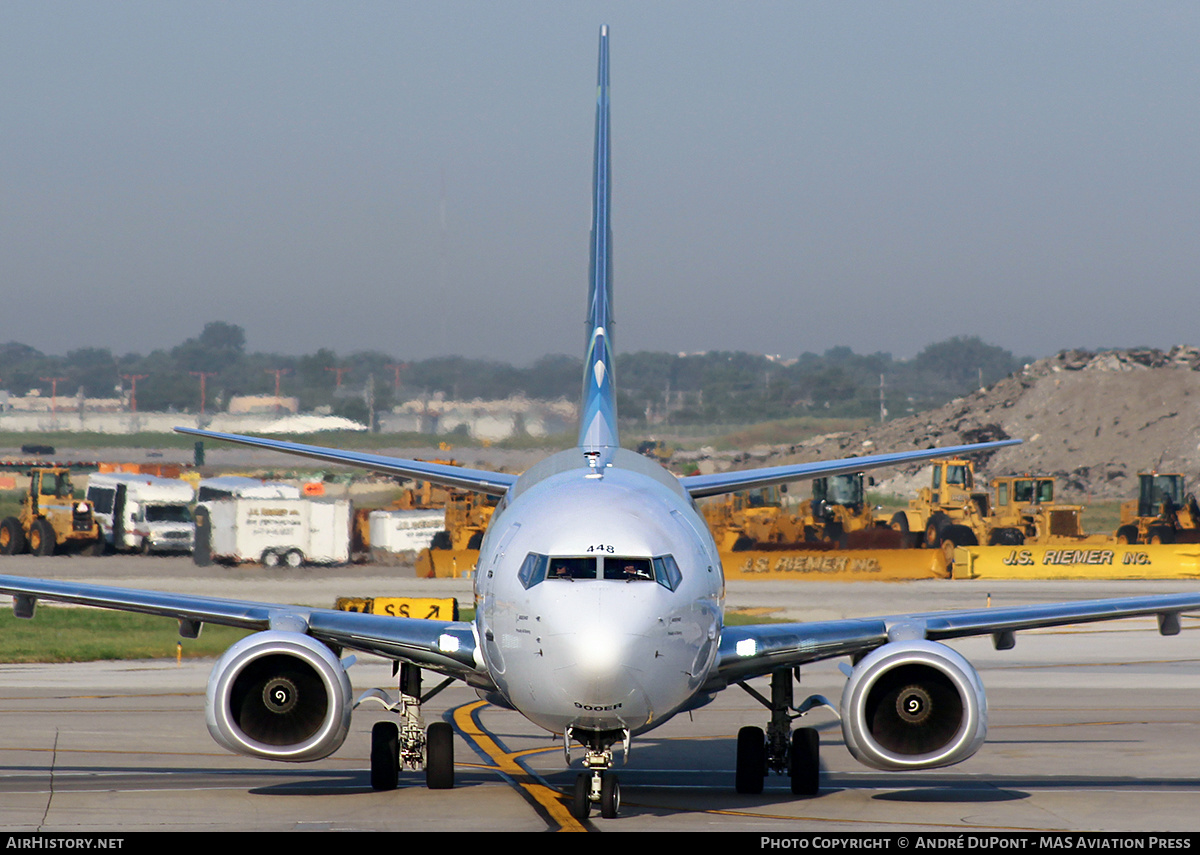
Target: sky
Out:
[415,178]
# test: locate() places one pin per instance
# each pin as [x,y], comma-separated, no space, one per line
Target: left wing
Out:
[478,480]
[700,486]
[445,646]
[750,651]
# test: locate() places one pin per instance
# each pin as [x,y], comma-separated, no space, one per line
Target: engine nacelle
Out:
[913,705]
[279,695]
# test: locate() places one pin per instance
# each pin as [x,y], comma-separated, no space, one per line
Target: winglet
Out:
[598,414]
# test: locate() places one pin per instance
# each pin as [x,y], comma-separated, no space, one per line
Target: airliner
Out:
[599,603]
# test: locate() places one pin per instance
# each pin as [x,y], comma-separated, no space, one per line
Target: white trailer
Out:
[142,512]
[291,532]
[404,531]
[243,487]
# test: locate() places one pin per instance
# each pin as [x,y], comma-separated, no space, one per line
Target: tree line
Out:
[655,388]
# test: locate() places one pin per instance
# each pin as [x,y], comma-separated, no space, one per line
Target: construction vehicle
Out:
[455,549]
[1025,512]
[836,517]
[945,510]
[754,519]
[51,518]
[840,515]
[1162,513]
[950,512]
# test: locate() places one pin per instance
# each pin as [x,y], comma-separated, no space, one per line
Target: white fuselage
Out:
[568,647]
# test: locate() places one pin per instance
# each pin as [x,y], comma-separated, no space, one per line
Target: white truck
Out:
[288,532]
[142,513]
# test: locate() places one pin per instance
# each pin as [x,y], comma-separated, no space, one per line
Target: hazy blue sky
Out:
[788,176]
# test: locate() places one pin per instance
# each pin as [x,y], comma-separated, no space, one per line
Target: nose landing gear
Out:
[599,784]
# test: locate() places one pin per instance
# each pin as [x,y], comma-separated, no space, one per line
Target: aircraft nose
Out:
[596,654]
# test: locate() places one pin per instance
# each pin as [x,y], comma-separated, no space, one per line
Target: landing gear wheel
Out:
[610,796]
[41,538]
[385,755]
[804,764]
[439,756]
[751,760]
[581,796]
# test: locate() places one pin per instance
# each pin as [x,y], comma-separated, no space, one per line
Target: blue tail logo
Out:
[598,416]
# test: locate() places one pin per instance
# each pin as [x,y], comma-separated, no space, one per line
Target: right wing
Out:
[477,480]
[750,651]
[700,486]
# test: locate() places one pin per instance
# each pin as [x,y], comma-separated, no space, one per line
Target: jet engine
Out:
[913,705]
[279,695]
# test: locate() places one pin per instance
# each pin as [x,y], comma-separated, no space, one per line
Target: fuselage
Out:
[599,594]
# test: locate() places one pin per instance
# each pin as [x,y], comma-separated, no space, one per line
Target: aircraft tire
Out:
[439,756]
[804,764]
[581,796]
[751,760]
[610,796]
[385,755]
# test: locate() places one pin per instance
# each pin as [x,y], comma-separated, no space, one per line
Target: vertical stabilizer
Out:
[598,415]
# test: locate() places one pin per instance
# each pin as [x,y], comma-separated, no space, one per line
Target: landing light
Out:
[448,643]
[747,647]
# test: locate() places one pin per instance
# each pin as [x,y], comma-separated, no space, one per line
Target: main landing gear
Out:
[599,784]
[409,745]
[780,749]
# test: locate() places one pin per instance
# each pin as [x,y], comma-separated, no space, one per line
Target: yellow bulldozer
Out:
[837,516]
[51,518]
[952,512]
[1164,512]
[455,549]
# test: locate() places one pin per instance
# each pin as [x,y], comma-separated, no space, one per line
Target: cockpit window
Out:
[572,568]
[666,572]
[628,569]
[533,570]
[538,568]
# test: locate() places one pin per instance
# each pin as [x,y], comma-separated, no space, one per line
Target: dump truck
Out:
[51,518]
[1164,512]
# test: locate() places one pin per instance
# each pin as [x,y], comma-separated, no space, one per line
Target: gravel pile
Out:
[1094,420]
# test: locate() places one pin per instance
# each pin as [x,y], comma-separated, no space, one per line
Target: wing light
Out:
[747,647]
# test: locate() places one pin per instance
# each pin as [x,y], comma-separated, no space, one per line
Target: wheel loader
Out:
[51,518]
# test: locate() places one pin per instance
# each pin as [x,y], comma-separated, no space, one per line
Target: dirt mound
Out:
[1094,420]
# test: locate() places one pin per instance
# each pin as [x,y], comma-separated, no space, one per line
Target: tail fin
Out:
[598,416]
